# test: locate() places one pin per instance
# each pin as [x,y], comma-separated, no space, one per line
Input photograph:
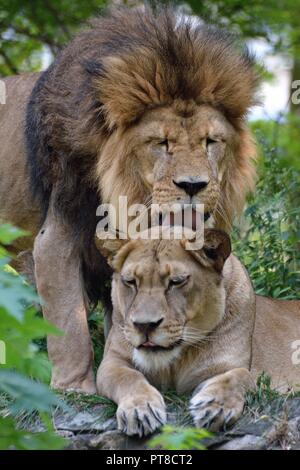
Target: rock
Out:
[277,426]
[273,426]
[84,422]
[108,440]
[247,442]
[112,440]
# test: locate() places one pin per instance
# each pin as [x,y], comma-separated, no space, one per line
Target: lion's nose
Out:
[191,185]
[147,327]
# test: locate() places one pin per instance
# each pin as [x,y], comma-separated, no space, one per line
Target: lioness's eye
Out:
[129,282]
[179,281]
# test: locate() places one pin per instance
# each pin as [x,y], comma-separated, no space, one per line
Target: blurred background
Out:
[266,239]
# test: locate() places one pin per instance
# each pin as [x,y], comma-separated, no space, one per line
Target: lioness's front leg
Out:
[59,284]
[141,408]
[219,401]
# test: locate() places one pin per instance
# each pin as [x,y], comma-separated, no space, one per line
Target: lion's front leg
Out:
[59,284]
[218,402]
[141,408]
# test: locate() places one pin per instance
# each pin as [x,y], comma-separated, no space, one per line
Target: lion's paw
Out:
[214,411]
[141,417]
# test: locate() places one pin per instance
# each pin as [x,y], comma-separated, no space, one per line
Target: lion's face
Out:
[168,297]
[178,154]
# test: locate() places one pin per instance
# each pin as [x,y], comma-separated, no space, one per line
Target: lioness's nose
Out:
[147,327]
[191,185]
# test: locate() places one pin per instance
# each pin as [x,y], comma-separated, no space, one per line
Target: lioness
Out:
[185,320]
[146,105]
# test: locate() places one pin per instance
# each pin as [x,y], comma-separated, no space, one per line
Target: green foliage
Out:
[13,438]
[267,240]
[263,393]
[19,328]
[282,137]
[26,396]
[28,29]
[277,22]
[177,438]
[8,234]
[19,323]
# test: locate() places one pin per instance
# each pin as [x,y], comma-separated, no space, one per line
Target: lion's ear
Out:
[108,245]
[215,250]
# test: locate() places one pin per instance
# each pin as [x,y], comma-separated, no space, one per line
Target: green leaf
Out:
[12,438]
[179,438]
[27,394]
[8,234]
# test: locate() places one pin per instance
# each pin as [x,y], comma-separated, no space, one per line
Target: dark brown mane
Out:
[151,59]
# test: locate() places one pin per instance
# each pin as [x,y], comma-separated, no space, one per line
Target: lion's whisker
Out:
[221,211]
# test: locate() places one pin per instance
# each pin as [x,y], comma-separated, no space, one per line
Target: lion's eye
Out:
[164,143]
[209,141]
[129,282]
[178,281]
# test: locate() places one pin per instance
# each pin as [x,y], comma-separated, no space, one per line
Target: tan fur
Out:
[206,329]
[145,171]
[222,350]
[16,205]
[277,328]
[175,82]
[64,305]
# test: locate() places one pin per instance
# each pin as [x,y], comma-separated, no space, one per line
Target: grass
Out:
[178,406]
[25,420]
[264,395]
[81,402]
[179,434]
[75,403]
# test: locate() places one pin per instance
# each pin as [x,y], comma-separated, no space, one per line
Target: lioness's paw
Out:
[220,400]
[214,412]
[142,417]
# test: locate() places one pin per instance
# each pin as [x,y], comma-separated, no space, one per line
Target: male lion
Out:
[146,105]
[185,320]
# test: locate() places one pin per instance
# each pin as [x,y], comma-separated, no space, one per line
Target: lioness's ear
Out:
[215,251]
[217,247]
[108,245]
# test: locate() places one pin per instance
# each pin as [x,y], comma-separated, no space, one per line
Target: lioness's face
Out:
[176,154]
[168,298]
